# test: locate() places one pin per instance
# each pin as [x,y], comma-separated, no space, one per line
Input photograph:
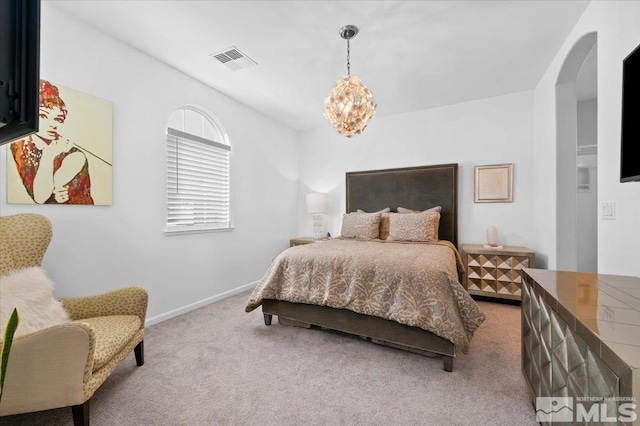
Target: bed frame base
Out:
[377,330]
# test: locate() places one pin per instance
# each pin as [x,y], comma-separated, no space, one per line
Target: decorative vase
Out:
[492,236]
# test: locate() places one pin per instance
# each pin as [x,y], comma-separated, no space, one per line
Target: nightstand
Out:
[301,241]
[495,272]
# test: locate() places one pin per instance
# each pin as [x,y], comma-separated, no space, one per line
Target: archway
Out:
[576,151]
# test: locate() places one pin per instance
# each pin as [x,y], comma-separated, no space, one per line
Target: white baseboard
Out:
[198,304]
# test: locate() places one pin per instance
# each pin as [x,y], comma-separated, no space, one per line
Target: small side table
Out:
[301,241]
[496,273]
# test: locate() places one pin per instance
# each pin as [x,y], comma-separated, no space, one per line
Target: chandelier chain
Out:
[348,57]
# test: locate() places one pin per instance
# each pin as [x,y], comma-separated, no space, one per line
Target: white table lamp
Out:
[318,204]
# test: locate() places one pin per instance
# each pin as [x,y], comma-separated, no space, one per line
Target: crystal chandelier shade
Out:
[350,104]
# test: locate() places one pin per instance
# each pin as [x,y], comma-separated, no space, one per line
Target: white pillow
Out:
[31,292]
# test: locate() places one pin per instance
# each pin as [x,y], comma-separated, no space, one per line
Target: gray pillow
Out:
[385,210]
[437,209]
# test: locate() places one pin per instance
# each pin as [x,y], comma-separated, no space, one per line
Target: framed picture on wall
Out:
[69,160]
[493,183]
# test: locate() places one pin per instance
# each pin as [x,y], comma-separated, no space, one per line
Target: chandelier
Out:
[350,105]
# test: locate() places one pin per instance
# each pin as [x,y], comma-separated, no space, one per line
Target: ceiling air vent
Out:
[233,59]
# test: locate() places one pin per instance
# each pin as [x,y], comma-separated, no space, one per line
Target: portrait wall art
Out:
[69,159]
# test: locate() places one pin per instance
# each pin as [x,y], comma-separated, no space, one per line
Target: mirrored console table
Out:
[581,340]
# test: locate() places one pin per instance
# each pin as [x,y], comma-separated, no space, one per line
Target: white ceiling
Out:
[413,55]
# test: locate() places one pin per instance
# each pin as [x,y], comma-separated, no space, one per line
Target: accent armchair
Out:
[64,365]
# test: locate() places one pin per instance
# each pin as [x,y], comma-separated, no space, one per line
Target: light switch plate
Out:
[608,210]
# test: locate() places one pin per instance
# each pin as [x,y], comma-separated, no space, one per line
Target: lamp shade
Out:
[317,203]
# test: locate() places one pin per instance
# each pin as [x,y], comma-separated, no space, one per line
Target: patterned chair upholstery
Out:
[64,365]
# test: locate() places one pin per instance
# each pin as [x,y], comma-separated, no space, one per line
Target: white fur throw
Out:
[31,292]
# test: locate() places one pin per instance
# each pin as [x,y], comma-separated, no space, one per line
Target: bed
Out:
[402,294]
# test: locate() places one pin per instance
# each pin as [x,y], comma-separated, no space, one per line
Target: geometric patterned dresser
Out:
[581,344]
[495,272]
[302,241]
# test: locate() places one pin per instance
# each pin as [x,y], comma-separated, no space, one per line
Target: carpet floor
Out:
[218,365]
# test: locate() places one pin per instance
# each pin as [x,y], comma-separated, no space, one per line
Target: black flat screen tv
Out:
[630,134]
[19,68]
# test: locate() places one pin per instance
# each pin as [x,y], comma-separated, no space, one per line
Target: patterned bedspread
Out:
[415,284]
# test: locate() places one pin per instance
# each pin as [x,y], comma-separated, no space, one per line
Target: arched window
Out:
[198,172]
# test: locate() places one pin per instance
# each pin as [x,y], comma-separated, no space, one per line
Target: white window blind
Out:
[197,183]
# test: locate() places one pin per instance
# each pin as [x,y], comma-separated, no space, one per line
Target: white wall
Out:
[96,249]
[588,122]
[616,23]
[566,200]
[489,131]
[588,199]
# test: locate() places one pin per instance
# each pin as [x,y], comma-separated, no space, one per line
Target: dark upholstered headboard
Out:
[417,188]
